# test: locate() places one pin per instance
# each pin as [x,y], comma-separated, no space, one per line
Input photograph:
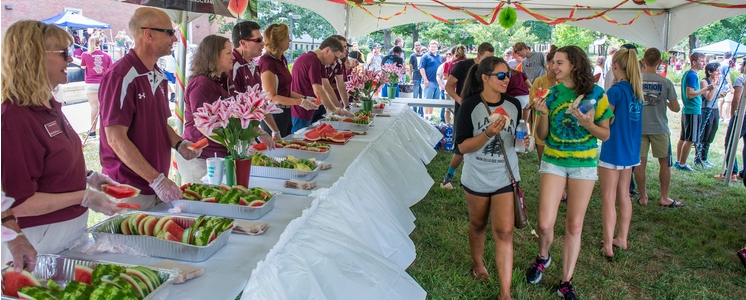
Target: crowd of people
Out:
[621,101]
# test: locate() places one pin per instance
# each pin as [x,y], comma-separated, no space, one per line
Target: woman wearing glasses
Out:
[209,82]
[569,159]
[43,166]
[276,77]
[96,63]
[485,178]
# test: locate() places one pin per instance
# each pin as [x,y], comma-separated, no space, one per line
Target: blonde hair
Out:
[93,43]
[274,36]
[627,60]
[460,52]
[25,81]
[206,59]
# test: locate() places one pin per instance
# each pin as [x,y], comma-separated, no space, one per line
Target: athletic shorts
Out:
[91,88]
[609,166]
[584,173]
[506,189]
[690,128]
[660,143]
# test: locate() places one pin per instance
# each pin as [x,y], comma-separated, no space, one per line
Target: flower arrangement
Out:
[365,84]
[232,121]
[393,71]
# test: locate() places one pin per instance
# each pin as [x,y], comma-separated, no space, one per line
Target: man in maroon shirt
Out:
[308,72]
[334,81]
[248,44]
[136,139]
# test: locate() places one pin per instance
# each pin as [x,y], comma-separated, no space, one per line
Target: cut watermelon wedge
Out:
[128,205]
[499,112]
[120,191]
[543,94]
[198,145]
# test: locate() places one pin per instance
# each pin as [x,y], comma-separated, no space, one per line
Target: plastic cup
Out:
[215,170]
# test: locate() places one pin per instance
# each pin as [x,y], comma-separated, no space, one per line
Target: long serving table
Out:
[348,240]
[425,102]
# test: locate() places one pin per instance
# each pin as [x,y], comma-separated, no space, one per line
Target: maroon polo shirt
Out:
[307,71]
[135,97]
[95,65]
[41,153]
[280,69]
[336,68]
[200,90]
[245,73]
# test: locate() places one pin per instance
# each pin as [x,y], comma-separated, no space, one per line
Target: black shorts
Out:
[690,128]
[506,189]
[455,146]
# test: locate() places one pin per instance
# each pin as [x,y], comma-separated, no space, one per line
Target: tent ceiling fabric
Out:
[649,31]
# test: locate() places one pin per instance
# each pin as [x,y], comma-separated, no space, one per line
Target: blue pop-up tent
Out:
[72,20]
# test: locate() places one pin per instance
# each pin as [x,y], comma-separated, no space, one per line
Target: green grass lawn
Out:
[682,253]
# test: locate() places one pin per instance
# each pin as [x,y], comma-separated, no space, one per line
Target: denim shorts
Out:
[584,173]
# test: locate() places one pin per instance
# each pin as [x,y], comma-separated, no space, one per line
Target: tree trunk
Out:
[693,41]
[415,34]
[386,39]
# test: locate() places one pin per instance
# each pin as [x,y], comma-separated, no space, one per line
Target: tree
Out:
[542,31]
[730,28]
[566,35]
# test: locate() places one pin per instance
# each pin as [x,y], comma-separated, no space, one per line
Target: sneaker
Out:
[687,168]
[708,164]
[92,134]
[535,271]
[566,291]
[676,165]
[447,183]
[698,164]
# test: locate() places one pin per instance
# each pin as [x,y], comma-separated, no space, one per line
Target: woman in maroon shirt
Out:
[276,77]
[43,166]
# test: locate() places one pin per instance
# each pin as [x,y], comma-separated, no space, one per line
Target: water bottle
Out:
[439,145]
[587,105]
[520,135]
[448,138]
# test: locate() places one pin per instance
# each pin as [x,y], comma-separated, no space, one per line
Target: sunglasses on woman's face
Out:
[64,53]
[500,75]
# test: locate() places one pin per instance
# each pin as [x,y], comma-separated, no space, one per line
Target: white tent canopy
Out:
[723,46]
[679,18]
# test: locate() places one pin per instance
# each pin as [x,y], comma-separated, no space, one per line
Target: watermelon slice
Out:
[174,229]
[128,205]
[159,225]
[339,138]
[13,281]
[137,283]
[347,134]
[150,226]
[83,274]
[198,145]
[36,293]
[500,112]
[312,135]
[257,203]
[120,191]
[260,147]
[543,94]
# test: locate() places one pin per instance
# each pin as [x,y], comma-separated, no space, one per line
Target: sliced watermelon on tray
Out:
[121,191]
[13,281]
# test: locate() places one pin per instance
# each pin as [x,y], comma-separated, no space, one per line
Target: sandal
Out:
[674,204]
[733,178]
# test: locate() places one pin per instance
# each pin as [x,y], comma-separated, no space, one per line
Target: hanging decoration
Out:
[718,4]
[507,17]
[479,18]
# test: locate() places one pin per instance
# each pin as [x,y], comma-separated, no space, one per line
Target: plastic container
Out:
[586,105]
[520,135]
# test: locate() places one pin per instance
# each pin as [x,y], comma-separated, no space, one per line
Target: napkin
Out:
[249,227]
[186,272]
[300,184]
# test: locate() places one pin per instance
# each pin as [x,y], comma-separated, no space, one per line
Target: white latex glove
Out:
[276,135]
[267,139]
[99,202]
[186,153]
[342,112]
[24,254]
[96,179]
[165,189]
[308,104]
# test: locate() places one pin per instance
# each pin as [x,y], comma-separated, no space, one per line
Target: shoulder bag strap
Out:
[502,145]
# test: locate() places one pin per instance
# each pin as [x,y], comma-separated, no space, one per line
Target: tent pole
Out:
[348,13]
[667,30]
[734,137]
[180,80]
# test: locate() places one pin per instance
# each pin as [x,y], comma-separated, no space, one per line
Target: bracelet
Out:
[178,144]
[8,218]
[540,114]
[485,134]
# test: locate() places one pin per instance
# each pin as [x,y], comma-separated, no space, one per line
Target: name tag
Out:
[53,128]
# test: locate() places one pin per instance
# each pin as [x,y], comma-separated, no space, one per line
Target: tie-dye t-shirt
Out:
[569,144]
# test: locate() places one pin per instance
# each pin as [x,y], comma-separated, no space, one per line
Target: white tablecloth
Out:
[353,242]
[425,102]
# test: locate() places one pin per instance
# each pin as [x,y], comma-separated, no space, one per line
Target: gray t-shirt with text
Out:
[533,66]
[657,89]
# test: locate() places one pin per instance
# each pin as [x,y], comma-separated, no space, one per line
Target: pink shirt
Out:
[137,98]
[41,153]
[307,71]
[96,64]
[200,90]
[280,69]
[245,73]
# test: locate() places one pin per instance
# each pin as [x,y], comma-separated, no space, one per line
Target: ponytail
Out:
[627,59]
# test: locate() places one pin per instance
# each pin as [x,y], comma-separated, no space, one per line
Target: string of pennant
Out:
[491,17]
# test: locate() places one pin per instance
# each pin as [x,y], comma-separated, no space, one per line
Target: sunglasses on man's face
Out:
[500,75]
[256,40]
[170,32]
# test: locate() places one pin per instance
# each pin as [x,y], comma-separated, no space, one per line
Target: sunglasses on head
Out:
[256,40]
[170,32]
[500,75]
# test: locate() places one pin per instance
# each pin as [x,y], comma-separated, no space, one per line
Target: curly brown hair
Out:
[581,73]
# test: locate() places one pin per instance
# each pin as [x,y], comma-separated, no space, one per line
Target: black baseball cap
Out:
[629,47]
[356,55]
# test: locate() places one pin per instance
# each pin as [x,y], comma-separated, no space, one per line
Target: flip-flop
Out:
[674,204]
[638,201]
[479,277]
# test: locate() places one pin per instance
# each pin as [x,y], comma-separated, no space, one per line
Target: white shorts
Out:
[524,100]
[52,238]
[91,88]
[606,165]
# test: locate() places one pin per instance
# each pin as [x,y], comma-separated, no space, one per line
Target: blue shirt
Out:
[431,63]
[625,133]
[692,106]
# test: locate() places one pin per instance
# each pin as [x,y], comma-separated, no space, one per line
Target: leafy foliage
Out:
[730,28]
[566,35]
